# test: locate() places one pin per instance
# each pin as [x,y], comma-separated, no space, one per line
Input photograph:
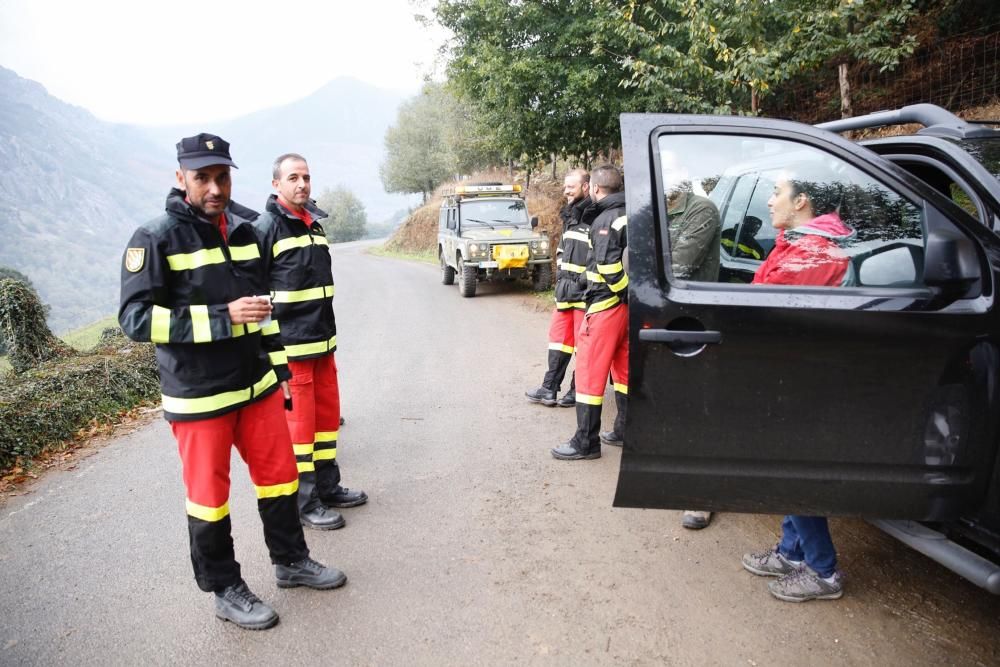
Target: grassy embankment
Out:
[82,339]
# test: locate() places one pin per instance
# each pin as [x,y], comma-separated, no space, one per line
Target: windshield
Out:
[986,151]
[495,212]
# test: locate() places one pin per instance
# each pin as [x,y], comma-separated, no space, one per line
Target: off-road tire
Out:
[447,273]
[541,278]
[467,280]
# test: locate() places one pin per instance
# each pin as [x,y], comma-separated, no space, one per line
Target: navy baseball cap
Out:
[203,150]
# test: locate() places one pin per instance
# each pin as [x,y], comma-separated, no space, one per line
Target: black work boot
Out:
[344,497]
[237,604]
[321,518]
[568,399]
[542,395]
[308,572]
[571,452]
[611,438]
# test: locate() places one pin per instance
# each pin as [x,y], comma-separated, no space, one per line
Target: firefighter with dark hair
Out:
[191,284]
[602,344]
[299,273]
[571,282]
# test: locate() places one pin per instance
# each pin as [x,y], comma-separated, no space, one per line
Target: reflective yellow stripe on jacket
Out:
[293,242]
[193,260]
[306,349]
[602,305]
[242,253]
[297,296]
[205,404]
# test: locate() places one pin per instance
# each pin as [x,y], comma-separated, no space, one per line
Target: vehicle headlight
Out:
[534,245]
[544,244]
[473,248]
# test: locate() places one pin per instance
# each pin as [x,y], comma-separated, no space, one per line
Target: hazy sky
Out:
[155,62]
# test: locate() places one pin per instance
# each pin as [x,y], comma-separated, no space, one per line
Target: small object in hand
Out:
[288,403]
[267,318]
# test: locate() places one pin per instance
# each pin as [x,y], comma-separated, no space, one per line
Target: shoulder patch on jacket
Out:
[134,259]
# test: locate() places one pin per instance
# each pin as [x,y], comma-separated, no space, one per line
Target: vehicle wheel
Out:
[541,279]
[467,280]
[447,273]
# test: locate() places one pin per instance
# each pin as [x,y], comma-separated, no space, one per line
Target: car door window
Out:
[787,204]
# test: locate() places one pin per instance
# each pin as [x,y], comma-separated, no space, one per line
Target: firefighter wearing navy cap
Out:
[297,264]
[190,284]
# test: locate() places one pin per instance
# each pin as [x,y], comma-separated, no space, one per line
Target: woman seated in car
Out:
[809,247]
[807,251]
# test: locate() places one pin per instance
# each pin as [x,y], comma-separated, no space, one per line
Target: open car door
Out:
[874,396]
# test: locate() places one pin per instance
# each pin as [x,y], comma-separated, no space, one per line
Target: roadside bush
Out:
[46,405]
[22,324]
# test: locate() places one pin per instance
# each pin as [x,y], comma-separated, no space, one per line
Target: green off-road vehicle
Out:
[484,233]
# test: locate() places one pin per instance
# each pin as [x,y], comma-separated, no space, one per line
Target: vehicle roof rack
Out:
[937,122]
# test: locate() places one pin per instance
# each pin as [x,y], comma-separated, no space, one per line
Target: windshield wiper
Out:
[482,222]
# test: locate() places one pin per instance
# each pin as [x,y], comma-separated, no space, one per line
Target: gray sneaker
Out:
[237,604]
[308,572]
[770,563]
[805,584]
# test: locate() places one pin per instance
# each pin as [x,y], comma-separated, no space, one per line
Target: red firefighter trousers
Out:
[314,425]
[602,347]
[562,343]
[261,437]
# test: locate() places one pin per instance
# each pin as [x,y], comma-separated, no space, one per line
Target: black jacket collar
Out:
[236,214]
[273,206]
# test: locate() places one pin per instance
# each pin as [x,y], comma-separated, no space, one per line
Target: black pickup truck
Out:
[879,397]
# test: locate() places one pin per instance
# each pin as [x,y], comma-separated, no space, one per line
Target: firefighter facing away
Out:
[297,264]
[190,283]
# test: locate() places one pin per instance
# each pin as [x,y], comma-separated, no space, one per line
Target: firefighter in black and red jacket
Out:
[602,344]
[297,264]
[190,283]
[571,283]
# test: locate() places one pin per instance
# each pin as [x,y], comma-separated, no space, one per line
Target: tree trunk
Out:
[510,168]
[527,183]
[554,167]
[845,91]
[754,101]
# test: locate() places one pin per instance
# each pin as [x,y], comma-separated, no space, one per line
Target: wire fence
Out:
[956,73]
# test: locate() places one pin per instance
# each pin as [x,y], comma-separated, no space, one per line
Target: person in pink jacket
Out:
[807,251]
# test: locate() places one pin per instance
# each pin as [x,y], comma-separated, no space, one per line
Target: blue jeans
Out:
[808,538]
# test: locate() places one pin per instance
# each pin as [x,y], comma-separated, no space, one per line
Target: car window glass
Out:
[740,208]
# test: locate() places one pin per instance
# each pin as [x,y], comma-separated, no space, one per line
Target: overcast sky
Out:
[154,62]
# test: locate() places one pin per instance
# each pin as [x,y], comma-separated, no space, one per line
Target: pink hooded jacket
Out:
[810,254]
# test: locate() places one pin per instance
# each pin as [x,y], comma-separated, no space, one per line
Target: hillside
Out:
[73,188]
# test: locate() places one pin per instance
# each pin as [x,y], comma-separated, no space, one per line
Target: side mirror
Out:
[951,263]
[534,221]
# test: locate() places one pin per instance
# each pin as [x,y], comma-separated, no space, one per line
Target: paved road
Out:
[476,548]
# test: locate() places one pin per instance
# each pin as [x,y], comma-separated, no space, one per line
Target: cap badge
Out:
[210,145]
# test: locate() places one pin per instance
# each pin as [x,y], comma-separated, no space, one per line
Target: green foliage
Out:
[436,136]
[552,76]
[46,405]
[13,274]
[534,74]
[22,326]
[347,215]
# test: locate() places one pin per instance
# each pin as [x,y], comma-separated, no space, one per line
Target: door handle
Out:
[676,336]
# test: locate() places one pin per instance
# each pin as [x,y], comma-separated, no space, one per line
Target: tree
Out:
[436,136]
[416,156]
[347,215]
[530,71]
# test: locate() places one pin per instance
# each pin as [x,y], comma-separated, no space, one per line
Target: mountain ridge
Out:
[73,187]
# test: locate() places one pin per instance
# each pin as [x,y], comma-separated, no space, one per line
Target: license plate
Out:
[487,265]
